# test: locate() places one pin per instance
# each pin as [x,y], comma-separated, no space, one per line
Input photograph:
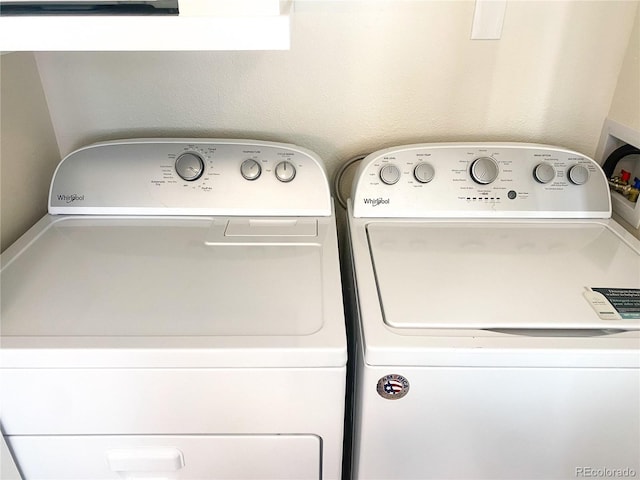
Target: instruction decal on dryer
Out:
[615,303]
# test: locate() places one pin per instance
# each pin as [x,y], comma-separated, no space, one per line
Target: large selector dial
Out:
[484,170]
[189,166]
[544,172]
[285,171]
[390,174]
[578,175]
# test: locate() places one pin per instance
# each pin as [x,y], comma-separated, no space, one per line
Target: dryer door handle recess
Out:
[145,460]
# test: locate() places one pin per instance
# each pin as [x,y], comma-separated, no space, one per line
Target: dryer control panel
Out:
[191,177]
[481,180]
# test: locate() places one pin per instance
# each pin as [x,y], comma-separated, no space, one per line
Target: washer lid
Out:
[502,276]
[158,283]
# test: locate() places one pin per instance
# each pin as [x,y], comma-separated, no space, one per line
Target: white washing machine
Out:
[177,315]
[498,309]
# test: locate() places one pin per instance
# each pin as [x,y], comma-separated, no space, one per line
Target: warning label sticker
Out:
[615,303]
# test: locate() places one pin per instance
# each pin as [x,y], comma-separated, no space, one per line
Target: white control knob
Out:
[390,174]
[544,172]
[250,169]
[578,174]
[484,170]
[424,172]
[285,171]
[189,166]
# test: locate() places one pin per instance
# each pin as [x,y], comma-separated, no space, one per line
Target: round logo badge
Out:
[393,387]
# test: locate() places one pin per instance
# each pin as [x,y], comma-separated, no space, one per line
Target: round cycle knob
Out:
[390,174]
[424,172]
[544,172]
[285,171]
[578,175]
[484,170]
[189,166]
[250,169]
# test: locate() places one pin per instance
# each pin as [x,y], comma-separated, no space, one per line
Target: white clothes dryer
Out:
[497,309]
[177,315]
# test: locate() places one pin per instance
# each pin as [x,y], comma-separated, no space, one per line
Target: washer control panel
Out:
[480,180]
[191,177]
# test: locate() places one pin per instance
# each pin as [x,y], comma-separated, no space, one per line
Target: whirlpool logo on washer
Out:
[374,202]
[70,198]
[393,387]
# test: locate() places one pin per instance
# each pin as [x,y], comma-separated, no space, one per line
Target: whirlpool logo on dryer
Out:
[374,202]
[70,198]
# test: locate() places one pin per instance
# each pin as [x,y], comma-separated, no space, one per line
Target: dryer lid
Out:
[169,282]
[519,275]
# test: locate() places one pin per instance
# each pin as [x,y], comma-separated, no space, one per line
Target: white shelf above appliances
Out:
[166,25]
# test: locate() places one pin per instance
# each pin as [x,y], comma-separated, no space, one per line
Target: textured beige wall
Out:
[362,76]
[28,148]
[625,107]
